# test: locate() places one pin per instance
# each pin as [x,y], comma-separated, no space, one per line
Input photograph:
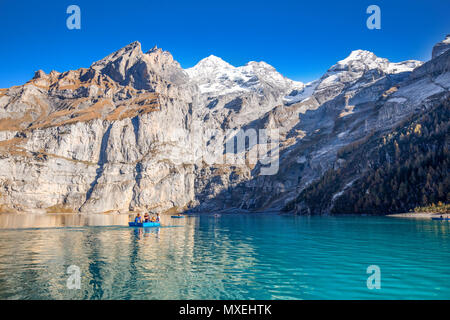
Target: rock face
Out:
[99,139]
[441,47]
[135,131]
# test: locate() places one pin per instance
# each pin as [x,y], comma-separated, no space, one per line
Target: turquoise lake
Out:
[263,256]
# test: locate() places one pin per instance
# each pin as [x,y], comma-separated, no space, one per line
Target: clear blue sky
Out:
[299,38]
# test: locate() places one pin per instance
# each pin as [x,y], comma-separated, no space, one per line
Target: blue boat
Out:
[440,219]
[144,224]
[177,217]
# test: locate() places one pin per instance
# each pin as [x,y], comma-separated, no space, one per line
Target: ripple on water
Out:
[234,257]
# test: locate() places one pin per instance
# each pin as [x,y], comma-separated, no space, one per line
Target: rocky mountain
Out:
[216,77]
[135,131]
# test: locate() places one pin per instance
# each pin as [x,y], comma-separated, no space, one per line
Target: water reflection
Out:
[227,257]
[12,221]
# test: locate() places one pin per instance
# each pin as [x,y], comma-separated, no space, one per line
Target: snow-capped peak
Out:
[260,64]
[208,66]
[215,77]
[359,55]
[213,61]
[358,63]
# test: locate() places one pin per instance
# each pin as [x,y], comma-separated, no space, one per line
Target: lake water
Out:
[227,257]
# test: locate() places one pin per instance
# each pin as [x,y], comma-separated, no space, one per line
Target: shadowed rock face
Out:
[134,131]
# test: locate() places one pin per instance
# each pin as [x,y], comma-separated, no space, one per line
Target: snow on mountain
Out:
[371,61]
[298,96]
[215,77]
[360,69]
[441,47]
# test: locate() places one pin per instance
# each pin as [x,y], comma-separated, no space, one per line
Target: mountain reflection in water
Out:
[234,256]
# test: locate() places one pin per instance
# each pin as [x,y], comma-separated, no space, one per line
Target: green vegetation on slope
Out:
[394,173]
[438,208]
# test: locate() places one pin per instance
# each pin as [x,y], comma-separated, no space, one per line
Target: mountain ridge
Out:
[134,130]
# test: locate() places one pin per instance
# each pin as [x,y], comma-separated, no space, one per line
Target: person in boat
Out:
[157,217]
[138,218]
[153,219]
[146,217]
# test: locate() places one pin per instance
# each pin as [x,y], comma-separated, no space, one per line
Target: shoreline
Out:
[418,215]
[411,215]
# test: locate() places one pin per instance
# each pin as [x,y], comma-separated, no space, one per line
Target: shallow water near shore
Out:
[263,256]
